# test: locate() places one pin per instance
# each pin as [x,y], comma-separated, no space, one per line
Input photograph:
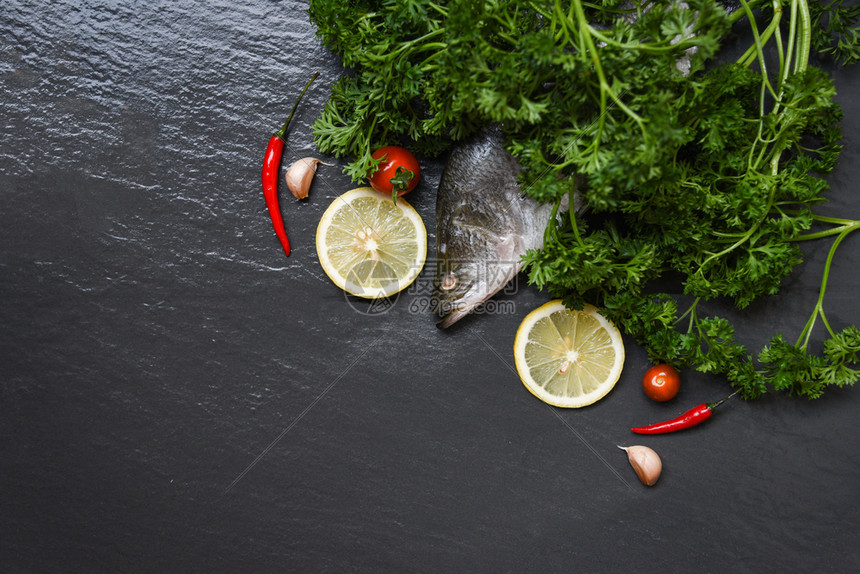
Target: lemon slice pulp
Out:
[369,246]
[568,358]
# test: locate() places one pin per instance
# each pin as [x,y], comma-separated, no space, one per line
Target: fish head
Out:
[484,225]
[463,283]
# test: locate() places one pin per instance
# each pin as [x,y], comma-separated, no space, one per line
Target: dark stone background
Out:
[178,396]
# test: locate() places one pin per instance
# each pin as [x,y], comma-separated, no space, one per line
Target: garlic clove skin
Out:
[645,462]
[300,175]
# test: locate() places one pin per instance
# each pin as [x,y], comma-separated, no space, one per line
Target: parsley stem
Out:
[752,52]
[846,228]
[440,9]
[823,218]
[587,34]
[805,39]
[818,311]
[608,9]
[550,230]
[691,311]
[792,33]
[572,214]
[736,16]
[759,48]
[662,47]
[412,47]
[836,220]
[780,49]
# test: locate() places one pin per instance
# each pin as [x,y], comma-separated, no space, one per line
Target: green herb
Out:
[834,30]
[692,166]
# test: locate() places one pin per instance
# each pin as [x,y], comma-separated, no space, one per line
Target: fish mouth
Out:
[453,302]
[451,306]
[458,312]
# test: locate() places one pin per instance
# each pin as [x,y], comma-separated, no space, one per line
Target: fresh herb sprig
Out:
[706,171]
[834,30]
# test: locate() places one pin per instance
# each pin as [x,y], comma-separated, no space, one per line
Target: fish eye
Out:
[449,281]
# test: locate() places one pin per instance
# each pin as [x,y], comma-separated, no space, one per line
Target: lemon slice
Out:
[369,246]
[568,358]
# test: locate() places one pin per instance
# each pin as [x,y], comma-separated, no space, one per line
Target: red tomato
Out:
[661,383]
[398,173]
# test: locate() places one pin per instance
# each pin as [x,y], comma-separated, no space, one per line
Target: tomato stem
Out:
[400,181]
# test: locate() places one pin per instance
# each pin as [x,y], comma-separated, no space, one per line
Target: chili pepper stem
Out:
[282,133]
[712,406]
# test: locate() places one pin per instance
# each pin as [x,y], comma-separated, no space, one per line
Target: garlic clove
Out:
[300,175]
[645,462]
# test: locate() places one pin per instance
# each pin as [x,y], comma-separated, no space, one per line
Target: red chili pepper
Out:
[695,416]
[271,167]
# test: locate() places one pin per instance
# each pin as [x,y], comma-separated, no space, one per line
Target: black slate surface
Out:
[178,396]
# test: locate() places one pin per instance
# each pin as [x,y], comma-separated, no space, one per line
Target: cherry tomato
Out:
[661,382]
[398,173]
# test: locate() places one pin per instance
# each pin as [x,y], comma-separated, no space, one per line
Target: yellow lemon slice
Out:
[369,246]
[568,358]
